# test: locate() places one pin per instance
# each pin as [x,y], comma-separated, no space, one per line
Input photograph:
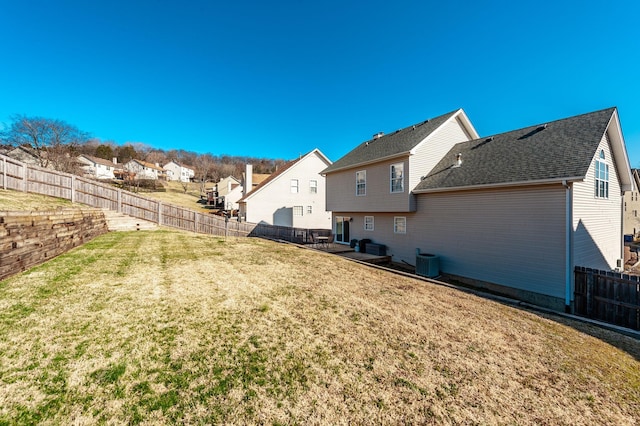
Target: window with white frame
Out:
[602,176]
[361,182]
[313,186]
[294,186]
[397,177]
[309,209]
[399,225]
[368,223]
[297,210]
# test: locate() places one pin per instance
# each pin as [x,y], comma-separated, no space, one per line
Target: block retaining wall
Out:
[28,239]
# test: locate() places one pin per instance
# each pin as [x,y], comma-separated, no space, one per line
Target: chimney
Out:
[115,160]
[248,179]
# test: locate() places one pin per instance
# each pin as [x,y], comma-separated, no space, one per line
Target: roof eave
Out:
[620,153]
[366,163]
[502,185]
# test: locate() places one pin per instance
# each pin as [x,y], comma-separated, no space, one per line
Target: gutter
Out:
[568,245]
[501,185]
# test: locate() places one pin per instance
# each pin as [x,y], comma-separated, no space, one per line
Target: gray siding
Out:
[513,237]
[597,222]
[341,188]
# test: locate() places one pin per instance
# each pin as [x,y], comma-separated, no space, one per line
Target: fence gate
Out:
[608,296]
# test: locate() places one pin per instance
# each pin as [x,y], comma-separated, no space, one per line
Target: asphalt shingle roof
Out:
[561,149]
[398,142]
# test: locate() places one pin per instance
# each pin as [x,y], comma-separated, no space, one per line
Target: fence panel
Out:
[608,296]
[96,194]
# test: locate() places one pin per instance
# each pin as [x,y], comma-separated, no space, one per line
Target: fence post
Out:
[195,222]
[24,176]
[159,212]
[73,189]
[119,208]
[4,173]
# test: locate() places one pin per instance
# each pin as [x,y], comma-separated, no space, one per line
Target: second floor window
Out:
[294,186]
[313,186]
[397,177]
[361,182]
[602,177]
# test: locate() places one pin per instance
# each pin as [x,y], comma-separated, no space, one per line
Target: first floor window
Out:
[297,210]
[368,223]
[309,209]
[400,225]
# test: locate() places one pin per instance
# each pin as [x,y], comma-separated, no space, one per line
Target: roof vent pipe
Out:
[378,135]
[458,160]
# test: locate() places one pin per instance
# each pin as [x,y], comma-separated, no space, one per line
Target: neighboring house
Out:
[231,189]
[98,168]
[632,208]
[144,170]
[24,154]
[179,172]
[514,212]
[293,196]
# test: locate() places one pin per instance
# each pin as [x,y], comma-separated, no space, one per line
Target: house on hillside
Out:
[98,168]
[513,212]
[632,207]
[231,189]
[179,172]
[145,170]
[293,196]
[25,154]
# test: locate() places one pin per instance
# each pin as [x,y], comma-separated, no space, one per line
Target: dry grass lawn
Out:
[176,195]
[16,200]
[168,327]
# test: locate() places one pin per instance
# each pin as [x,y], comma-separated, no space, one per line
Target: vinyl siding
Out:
[431,151]
[631,219]
[514,237]
[341,186]
[273,204]
[597,222]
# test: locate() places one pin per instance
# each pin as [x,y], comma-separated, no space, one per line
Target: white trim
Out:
[394,224]
[391,166]
[372,223]
[365,183]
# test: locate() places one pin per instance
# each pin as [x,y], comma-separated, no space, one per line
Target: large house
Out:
[98,168]
[513,212]
[293,196]
[144,170]
[178,171]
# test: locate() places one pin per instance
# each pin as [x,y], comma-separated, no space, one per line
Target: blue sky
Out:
[277,79]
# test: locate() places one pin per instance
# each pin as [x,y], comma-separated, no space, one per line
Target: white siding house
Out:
[231,189]
[514,212]
[98,168]
[293,196]
[179,172]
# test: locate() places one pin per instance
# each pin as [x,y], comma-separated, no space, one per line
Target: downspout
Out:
[568,245]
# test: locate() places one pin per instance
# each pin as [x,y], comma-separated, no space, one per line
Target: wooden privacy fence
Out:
[29,178]
[608,296]
[286,233]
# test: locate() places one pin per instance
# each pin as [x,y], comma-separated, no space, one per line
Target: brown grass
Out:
[16,201]
[168,327]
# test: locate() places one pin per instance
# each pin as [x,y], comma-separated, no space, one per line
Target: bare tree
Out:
[205,170]
[53,141]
